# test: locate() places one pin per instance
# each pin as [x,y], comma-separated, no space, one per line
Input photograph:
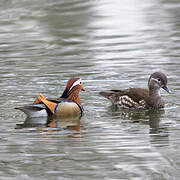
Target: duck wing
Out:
[136,94]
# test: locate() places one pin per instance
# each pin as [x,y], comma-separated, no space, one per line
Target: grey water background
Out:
[109,44]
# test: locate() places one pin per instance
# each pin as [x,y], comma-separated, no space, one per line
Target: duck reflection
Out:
[159,135]
[71,123]
[32,122]
[53,124]
[151,117]
[154,116]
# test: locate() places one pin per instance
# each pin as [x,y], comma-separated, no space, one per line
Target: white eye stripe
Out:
[75,83]
[154,79]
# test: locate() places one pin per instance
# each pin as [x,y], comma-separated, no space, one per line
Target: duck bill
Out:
[82,89]
[166,89]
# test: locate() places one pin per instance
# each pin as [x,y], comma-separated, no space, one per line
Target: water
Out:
[109,44]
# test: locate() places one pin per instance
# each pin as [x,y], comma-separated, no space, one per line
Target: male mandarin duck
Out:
[140,98]
[69,104]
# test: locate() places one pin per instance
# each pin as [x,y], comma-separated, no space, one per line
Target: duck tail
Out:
[106,94]
[34,110]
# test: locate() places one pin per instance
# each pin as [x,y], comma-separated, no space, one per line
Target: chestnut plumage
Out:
[68,104]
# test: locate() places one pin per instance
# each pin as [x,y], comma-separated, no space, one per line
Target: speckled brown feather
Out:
[139,97]
[136,94]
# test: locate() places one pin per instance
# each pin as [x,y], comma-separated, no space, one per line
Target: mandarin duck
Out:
[68,104]
[140,98]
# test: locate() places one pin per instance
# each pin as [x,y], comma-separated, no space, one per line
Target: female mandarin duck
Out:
[69,104]
[138,97]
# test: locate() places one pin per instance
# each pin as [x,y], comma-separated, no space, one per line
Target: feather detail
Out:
[74,95]
[138,97]
[50,105]
[135,94]
[68,104]
[34,110]
[69,109]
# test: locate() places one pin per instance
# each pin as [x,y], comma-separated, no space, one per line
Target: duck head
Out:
[72,90]
[157,81]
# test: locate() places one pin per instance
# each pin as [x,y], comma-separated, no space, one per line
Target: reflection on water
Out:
[109,44]
[149,117]
[32,122]
[72,124]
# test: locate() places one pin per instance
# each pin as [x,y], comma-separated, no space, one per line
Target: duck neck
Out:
[154,92]
[74,95]
[154,99]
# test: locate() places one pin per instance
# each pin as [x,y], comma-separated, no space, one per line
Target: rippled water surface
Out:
[109,44]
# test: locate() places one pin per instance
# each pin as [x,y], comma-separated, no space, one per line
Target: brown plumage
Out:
[139,97]
[69,104]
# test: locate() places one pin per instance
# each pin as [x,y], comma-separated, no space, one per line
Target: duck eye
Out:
[159,79]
